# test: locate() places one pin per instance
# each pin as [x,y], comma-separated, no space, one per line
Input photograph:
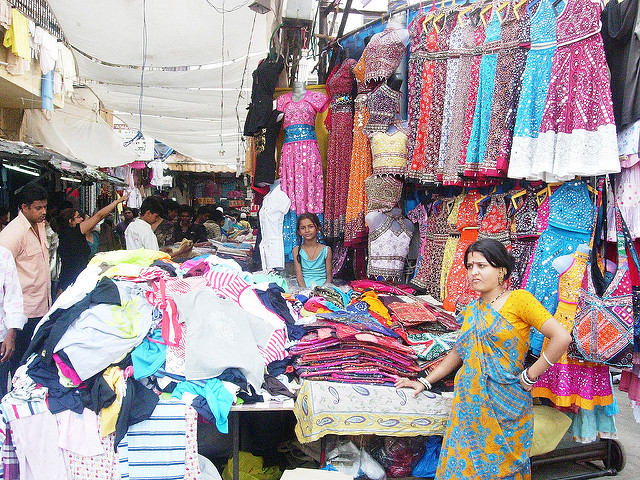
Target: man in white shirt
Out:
[12,317]
[139,233]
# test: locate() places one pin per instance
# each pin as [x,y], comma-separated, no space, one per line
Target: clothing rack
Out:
[610,452]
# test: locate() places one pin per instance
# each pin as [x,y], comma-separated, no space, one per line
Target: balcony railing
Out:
[39,11]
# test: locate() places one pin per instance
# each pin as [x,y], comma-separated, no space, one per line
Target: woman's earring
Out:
[500,277]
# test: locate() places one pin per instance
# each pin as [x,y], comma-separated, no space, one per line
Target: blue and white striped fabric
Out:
[154,449]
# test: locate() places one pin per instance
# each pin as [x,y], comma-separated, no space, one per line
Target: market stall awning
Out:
[180,163]
[78,133]
[198,57]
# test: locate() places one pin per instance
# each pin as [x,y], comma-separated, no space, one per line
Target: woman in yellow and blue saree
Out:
[491,427]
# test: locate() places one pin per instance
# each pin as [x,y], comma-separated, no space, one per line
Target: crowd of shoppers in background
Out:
[43,250]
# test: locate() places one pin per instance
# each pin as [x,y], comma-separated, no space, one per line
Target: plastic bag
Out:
[251,468]
[399,455]
[428,464]
[350,460]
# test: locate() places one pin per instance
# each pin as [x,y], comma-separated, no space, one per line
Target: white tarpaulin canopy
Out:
[78,133]
[199,53]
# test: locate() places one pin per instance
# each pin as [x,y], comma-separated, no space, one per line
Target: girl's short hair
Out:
[495,253]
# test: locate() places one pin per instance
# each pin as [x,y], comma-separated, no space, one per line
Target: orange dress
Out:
[459,292]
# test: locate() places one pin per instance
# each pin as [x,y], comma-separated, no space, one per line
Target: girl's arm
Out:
[298,267]
[329,265]
[449,364]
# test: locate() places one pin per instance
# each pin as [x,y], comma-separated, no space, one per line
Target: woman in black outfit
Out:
[74,251]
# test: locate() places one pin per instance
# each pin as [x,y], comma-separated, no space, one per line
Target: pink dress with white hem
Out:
[300,171]
[578,133]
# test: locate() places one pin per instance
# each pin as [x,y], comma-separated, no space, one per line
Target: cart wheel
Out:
[618,458]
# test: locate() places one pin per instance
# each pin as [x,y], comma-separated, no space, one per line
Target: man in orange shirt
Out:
[26,239]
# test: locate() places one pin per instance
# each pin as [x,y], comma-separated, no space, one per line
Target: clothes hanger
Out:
[517,6]
[416,17]
[532,4]
[500,9]
[483,11]
[554,5]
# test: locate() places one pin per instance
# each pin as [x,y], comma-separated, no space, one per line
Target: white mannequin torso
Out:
[375,219]
[562,263]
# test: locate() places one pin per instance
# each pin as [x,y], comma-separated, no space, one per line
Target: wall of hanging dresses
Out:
[514,109]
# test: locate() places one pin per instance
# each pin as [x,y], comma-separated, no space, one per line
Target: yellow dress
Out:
[450,246]
[489,435]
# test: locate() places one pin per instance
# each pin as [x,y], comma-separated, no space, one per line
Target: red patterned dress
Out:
[339,154]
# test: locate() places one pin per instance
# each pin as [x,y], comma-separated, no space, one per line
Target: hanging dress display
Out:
[513,96]
[571,218]
[495,222]
[577,131]
[506,80]
[459,103]
[339,152]
[458,289]
[621,37]
[451,245]
[265,80]
[301,176]
[416,168]
[472,97]
[456,43]
[436,112]
[533,93]
[482,115]
[524,236]
[427,276]
[417,37]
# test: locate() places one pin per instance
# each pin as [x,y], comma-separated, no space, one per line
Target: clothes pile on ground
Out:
[370,332]
[131,355]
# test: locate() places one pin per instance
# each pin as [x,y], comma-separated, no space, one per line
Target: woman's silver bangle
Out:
[546,359]
[425,382]
[524,376]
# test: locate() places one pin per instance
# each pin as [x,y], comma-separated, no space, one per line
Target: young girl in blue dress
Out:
[312,259]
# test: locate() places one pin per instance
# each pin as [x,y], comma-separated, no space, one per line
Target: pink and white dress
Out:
[577,133]
[300,163]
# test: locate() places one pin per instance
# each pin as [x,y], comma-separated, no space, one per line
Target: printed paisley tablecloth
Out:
[330,408]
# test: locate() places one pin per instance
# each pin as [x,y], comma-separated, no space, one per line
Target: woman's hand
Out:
[123,198]
[525,387]
[407,383]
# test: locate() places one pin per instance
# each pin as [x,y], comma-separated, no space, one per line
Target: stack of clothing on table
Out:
[119,369]
[372,333]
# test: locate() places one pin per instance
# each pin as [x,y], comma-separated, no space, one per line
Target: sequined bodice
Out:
[543,25]
[525,217]
[467,213]
[303,111]
[389,146]
[452,219]
[579,19]
[493,29]
[383,54]
[571,208]
[495,217]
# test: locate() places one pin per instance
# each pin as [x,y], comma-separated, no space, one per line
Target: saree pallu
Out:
[491,426]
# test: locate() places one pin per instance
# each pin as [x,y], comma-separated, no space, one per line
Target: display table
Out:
[331,408]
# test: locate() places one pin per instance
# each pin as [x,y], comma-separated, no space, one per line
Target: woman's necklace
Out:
[494,300]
